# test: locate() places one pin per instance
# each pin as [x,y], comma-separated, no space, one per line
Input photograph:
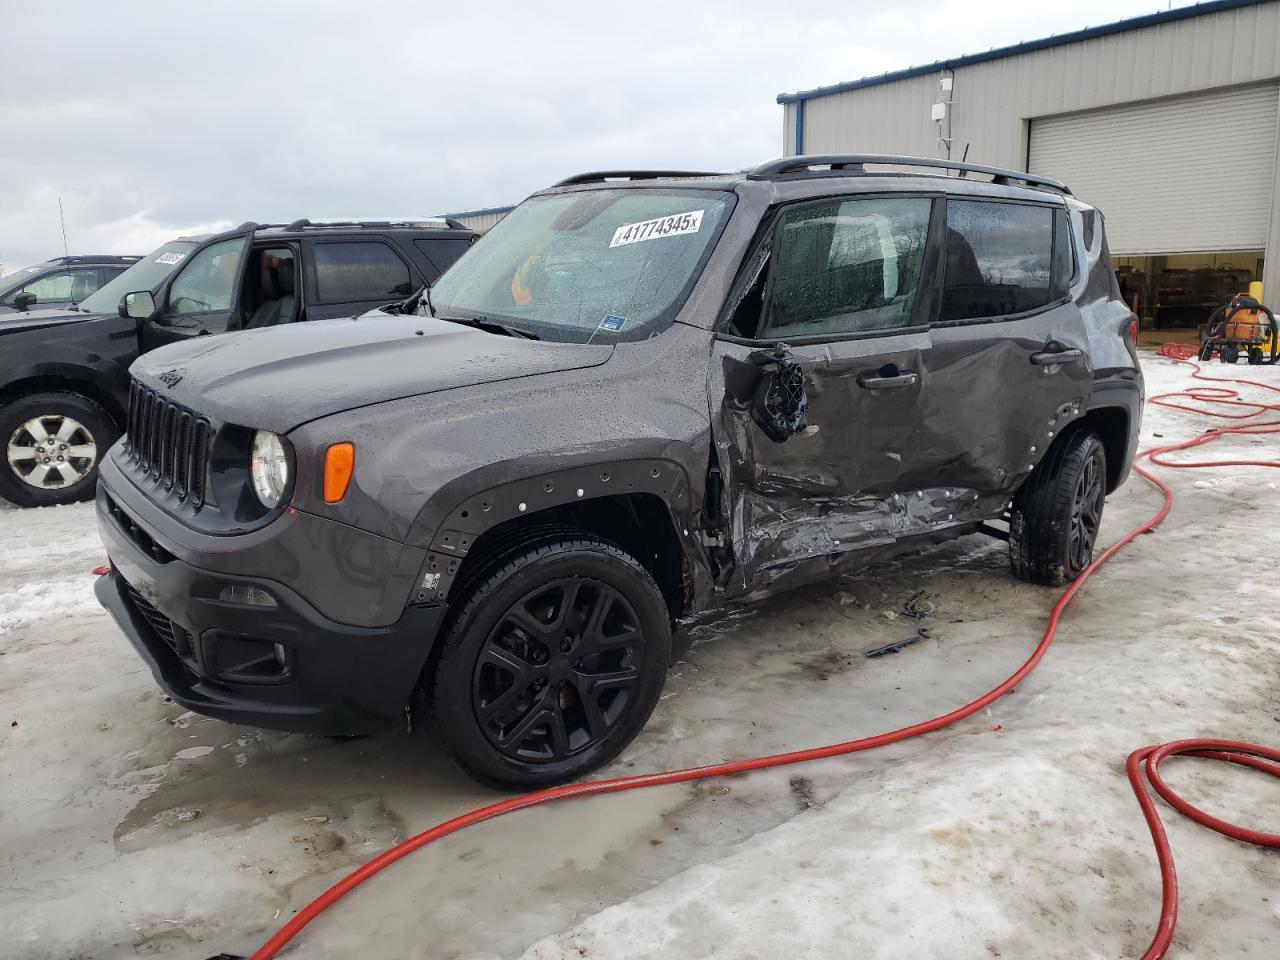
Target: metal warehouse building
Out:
[480,220]
[1168,123]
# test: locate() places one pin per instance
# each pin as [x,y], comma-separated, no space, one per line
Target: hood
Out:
[16,320]
[281,377]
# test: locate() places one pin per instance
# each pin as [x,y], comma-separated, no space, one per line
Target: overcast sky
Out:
[153,119]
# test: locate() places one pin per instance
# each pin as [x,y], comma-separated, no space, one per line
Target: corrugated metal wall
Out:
[1178,175]
[995,100]
[480,222]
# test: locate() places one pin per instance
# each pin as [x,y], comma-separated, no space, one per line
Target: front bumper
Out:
[287,667]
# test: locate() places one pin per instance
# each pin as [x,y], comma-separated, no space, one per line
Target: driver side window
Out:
[847,266]
[208,283]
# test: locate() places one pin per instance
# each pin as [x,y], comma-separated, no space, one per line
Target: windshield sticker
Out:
[610,322]
[672,226]
[171,258]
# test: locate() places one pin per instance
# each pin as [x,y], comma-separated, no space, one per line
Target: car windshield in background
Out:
[596,265]
[17,278]
[147,274]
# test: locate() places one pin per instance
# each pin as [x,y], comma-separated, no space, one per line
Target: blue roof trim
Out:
[1089,33]
[487,211]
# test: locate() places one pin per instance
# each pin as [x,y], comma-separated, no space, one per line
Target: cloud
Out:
[153,119]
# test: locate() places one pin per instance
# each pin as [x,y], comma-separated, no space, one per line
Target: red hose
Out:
[1147,759]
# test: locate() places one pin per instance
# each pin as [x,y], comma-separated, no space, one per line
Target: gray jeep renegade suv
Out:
[640,396]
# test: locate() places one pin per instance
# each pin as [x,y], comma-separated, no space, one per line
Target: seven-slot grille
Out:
[169,442]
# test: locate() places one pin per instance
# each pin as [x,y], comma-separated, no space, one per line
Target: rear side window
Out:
[999,259]
[361,270]
[443,253]
[65,285]
[1064,262]
[847,266]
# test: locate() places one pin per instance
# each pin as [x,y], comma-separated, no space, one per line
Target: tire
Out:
[1053,525]
[76,424]
[552,663]
[1228,353]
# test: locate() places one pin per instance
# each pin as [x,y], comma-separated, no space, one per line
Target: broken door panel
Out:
[827,490]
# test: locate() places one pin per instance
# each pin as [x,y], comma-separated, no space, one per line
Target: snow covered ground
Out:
[129,827]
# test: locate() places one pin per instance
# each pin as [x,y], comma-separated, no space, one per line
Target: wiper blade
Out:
[492,326]
[410,303]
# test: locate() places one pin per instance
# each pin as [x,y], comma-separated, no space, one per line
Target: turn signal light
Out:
[339,462]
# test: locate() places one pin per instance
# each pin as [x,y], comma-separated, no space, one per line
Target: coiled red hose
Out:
[1145,761]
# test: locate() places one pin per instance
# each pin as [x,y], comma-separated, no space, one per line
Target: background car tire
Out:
[455,684]
[1059,504]
[87,427]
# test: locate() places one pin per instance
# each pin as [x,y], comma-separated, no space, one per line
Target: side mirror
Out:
[25,299]
[140,305]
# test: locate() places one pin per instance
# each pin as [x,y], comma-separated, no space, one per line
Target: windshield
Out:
[16,278]
[147,274]
[594,266]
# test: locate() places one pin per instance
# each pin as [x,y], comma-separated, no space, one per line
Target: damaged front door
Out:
[838,304]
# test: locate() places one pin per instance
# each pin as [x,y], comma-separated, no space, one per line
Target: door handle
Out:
[875,381]
[1056,356]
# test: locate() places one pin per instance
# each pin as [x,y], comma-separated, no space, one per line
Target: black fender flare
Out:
[481,510]
[79,372]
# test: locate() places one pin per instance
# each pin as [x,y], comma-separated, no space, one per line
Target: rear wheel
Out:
[52,444]
[552,664]
[1054,523]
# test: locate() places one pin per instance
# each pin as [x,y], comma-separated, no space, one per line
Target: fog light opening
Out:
[245,596]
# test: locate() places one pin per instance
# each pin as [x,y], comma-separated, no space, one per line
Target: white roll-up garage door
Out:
[1184,175]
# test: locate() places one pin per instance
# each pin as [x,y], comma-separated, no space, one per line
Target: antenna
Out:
[63,221]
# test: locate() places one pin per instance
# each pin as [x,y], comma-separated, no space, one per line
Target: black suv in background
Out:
[59,282]
[64,380]
[638,397]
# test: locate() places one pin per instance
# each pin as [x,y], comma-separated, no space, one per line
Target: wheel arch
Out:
[1111,424]
[66,381]
[643,506]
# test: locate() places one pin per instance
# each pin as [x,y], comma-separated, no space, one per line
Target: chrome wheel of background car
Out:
[1086,512]
[51,452]
[559,670]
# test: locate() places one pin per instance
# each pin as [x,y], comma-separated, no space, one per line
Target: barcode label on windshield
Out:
[672,226]
[170,258]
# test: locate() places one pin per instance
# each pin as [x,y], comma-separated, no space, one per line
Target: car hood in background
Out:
[281,377]
[14,321]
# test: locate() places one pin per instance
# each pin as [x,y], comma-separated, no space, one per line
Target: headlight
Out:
[269,467]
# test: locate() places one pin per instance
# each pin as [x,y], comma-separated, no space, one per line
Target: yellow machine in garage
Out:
[1244,327]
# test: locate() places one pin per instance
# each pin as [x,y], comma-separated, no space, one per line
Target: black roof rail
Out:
[302,223]
[598,176]
[853,164]
[96,258]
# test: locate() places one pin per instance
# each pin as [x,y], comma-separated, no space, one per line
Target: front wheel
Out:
[552,664]
[52,444]
[1054,523]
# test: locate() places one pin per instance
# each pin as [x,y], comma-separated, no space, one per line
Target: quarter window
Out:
[999,259]
[346,272]
[847,266]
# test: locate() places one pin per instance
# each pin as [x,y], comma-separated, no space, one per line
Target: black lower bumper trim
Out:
[333,679]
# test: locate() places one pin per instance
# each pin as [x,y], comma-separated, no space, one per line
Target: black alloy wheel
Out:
[551,660]
[1055,517]
[1086,510]
[558,670]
